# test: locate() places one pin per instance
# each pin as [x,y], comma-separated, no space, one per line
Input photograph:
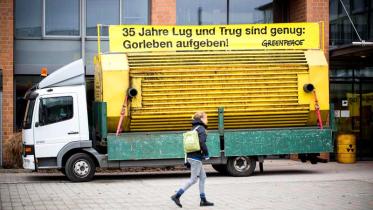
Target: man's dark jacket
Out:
[203,153]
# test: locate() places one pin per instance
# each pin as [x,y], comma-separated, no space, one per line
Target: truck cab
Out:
[56,120]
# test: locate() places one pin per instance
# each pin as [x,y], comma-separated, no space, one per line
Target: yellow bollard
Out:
[346,148]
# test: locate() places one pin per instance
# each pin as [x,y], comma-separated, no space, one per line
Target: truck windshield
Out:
[28,116]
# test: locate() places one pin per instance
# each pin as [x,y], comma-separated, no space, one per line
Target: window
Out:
[28,117]
[341,28]
[108,12]
[335,35]
[28,18]
[135,12]
[55,109]
[254,11]
[62,17]
[205,12]
[334,9]
[359,5]
[201,12]
[347,31]
[361,24]
[105,12]
[341,11]
[371,25]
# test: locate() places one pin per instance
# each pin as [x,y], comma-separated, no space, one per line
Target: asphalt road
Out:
[285,184]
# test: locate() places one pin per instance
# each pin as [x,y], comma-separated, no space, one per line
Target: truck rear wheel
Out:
[221,168]
[80,168]
[241,166]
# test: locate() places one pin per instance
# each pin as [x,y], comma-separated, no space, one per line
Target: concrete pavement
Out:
[285,184]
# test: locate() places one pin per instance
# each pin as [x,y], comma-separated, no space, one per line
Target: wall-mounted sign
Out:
[345,113]
[345,103]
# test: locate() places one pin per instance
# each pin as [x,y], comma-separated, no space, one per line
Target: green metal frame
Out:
[240,142]
[277,141]
[99,117]
[154,145]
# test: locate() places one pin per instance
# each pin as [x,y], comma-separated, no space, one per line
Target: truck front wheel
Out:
[80,168]
[241,166]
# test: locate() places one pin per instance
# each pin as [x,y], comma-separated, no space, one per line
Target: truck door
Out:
[57,125]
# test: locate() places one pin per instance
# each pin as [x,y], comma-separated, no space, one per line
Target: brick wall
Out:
[6,64]
[318,10]
[297,10]
[163,12]
[311,11]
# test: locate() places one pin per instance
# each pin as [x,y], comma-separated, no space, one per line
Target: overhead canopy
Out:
[71,74]
[349,56]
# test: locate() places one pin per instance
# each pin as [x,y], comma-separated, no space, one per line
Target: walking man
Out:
[195,160]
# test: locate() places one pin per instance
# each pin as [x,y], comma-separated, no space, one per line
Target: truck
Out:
[260,103]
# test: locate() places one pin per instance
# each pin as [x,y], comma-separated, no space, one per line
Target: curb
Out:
[14,170]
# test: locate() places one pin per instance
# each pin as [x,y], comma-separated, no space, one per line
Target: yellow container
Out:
[346,148]
[257,88]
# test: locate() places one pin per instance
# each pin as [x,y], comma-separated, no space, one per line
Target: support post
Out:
[98,39]
[261,161]
[221,126]
[221,120]
[333,125]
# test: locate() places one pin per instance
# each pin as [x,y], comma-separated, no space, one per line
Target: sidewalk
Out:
[283,185]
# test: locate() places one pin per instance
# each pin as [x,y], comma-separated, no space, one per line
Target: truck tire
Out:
[221,168]
[80,168]
[241,166]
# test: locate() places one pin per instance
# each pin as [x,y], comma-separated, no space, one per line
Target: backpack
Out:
[191,141]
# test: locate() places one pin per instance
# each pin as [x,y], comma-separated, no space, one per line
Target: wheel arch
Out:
[76,147]
[78,150]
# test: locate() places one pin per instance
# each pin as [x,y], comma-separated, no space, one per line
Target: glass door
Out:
[365,140]
[340,96]
[351,91]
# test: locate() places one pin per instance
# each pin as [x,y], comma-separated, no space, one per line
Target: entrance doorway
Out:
[351,91]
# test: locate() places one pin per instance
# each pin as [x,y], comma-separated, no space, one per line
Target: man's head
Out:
[202,116]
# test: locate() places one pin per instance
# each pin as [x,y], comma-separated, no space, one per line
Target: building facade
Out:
[351,71]
[52,33]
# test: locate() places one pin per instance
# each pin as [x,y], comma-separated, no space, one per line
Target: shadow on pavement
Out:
[107,177]
[286,172]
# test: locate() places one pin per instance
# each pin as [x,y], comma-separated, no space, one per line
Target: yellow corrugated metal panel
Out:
[220,93]
[319,77]
[231,118]
[256,88]
[283,124]
[176,84]
[212,115]
[112,82]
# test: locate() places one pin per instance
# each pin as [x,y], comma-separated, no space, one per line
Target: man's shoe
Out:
[176,200]
[205,203]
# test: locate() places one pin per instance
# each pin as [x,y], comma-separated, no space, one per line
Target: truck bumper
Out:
[28,162]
